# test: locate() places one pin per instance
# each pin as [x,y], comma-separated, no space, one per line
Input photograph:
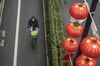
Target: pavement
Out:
[27,55]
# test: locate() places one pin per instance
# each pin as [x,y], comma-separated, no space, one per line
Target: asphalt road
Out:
[8,24]
[27,56]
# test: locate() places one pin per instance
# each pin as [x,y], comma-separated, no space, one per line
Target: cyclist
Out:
[33,23]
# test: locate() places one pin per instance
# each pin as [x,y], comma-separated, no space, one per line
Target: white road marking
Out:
[17,34]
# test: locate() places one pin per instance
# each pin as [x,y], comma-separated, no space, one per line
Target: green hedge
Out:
[55,33]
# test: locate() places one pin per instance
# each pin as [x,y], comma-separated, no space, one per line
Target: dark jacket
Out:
[33,24]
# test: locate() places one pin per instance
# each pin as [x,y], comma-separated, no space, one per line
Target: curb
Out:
[2,7]
[44,14]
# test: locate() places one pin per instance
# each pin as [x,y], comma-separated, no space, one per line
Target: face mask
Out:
[33,19]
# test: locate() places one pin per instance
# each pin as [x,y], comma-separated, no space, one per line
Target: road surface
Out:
[27,56]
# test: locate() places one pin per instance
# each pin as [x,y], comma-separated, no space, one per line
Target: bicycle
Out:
[34,34]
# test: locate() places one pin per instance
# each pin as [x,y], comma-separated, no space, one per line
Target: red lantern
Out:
[90,47]
[66,57]
[70,44]
[85,61]
[78,11]
[74,29]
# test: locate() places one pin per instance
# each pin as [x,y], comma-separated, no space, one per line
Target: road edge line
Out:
[47,59]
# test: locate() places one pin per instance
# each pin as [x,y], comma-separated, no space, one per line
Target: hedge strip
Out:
[55,33]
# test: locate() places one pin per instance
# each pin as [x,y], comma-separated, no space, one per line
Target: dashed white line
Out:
[17,34]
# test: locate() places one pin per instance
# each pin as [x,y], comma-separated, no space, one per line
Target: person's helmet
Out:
[33,18]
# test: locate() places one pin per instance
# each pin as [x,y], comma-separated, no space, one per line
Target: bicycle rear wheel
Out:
[34,41]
